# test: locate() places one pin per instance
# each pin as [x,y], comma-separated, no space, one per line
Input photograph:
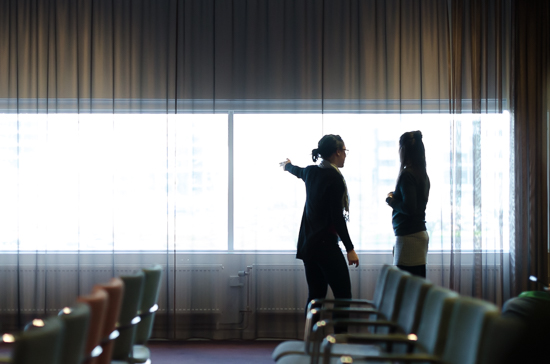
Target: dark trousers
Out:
[327,267]
[415,270]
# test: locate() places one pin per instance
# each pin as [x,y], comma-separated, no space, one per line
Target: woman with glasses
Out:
[324,221]
[408,202]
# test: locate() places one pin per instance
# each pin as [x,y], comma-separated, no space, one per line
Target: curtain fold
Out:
[480,54]
[133,124]
[530,97]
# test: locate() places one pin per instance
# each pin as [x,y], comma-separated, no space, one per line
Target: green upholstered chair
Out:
[386,301]
[461,341]
[76,320]
[148,308]
[129,317]
[40,342]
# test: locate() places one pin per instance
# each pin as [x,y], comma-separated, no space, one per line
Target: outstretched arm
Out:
[289,167]
[284,163]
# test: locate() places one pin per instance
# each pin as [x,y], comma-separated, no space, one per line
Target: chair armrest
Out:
[318,331]
[319,302]
[394,328]
[375,339]
[361,322]
[121,328]
[391,358]
[136,320]
[329,341]
[97,351]
[151,311]
[359,310]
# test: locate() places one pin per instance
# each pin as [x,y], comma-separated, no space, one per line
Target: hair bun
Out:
[417,134]
[315,154]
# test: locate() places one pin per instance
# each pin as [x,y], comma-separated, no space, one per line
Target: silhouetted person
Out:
[324,221]
[408,201]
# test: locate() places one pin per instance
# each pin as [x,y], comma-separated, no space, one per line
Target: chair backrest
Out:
[466,328]
[380,282]
[434,320]
[131,301]
[532,309]
[392,297]
[39,344]
[414,293]
[115,289]
[504,342]
[76,320]
[97,300]
[151,291]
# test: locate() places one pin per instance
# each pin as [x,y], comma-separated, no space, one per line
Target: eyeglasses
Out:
[345,150]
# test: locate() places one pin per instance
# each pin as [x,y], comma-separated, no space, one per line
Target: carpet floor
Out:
[225,352]
[204,352]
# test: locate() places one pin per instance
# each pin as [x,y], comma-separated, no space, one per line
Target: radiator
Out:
[47,289]
[283,288]
[278,288]
[197,289]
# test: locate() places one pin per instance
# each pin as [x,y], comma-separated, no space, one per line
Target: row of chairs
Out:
[408,320]
[110,325]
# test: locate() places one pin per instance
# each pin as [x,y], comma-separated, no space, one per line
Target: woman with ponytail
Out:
[408,202]
[324,221]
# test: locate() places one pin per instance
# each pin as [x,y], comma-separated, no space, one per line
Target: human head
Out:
[411,150]
[327,147]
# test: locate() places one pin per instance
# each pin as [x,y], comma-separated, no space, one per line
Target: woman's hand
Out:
[353,259]
[283,164]
[389,198]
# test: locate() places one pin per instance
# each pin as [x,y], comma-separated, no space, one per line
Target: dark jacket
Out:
[409,202]
[323,215]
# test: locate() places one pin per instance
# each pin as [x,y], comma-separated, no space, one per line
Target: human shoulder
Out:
[310,170]
[408,175]
[325,174]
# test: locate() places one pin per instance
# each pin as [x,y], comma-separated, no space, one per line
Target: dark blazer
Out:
[323,218]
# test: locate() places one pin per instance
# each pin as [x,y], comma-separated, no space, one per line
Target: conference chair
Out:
[433,326]
[40,342]
[76,320]
[115,289]
[462,343]
[377,296]
[97,301]
[387,311]
[532,310]
[148,309]
[128,317]
[504,342]
[303,346]
[413,300]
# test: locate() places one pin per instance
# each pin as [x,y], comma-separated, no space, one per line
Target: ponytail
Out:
[315,154]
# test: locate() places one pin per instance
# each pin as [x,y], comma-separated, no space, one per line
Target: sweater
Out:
[409,202]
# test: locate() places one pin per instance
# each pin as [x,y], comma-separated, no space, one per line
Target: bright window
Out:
[113,182]
[269,203]
[164,182]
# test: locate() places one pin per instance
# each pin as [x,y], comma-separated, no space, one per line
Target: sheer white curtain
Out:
[142,132]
